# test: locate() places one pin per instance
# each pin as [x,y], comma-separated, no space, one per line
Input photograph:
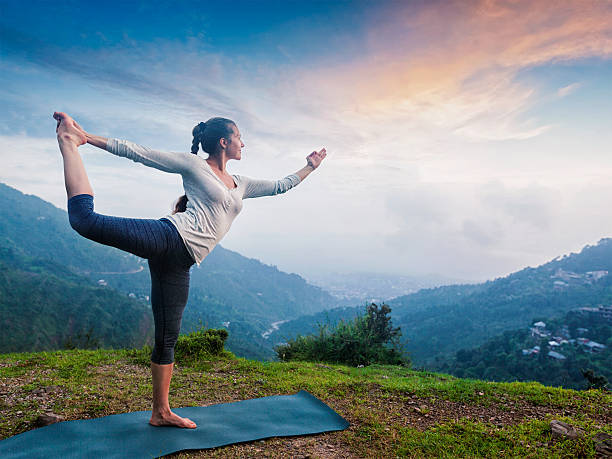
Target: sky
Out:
[468,139]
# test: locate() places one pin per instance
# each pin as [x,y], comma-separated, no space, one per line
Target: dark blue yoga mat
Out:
[130,435]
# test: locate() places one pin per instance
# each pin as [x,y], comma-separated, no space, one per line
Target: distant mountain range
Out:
[39,252]
[440,321]
[358,287]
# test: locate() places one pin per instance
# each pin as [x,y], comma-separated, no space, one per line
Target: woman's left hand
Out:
[315,158]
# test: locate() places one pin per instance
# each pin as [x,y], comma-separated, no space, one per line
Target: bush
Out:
[365,340]
[81,340]
[595,381]
[200,345]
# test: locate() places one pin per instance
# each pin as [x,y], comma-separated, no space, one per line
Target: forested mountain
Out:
[38,229]
[555,353]
[440,321]
[228,289]
[45,306]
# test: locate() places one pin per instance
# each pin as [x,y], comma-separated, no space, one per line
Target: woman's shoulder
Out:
[190,158]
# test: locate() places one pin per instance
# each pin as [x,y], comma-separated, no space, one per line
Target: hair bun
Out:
[198,130]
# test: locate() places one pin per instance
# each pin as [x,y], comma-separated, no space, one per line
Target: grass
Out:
[470,439]
[393,411]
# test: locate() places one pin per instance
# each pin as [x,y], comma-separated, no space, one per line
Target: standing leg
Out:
[169,292]
[161,415]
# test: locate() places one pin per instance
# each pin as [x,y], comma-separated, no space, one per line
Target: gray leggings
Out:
[169,262]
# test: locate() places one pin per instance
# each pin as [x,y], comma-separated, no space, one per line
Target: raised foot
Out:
[69,130]
[171,420]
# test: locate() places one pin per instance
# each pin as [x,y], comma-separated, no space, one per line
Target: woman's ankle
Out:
[161,410]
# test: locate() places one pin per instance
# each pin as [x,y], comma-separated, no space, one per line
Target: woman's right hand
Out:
[68,130]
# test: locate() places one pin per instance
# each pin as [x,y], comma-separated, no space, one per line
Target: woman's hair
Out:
[207,135]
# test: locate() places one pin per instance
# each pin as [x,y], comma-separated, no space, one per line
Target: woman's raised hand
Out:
[68,130]
[315,158]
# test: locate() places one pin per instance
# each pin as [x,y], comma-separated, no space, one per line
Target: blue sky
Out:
[468,139]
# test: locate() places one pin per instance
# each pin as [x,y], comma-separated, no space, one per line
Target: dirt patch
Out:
[409,410]
[116,370]
[324,446]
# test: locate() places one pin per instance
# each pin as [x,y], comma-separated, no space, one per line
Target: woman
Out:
[213,198]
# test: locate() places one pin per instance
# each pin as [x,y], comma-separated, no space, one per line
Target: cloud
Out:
[34,166]
[147,69]
[478,230]
[529,206]
[420,175]
[481,234]
[567,90]
[456,65]
[30,160]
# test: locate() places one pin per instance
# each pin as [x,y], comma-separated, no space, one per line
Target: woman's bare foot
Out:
[171,419]
[68,130]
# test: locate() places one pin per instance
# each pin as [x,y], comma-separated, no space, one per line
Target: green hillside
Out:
[502,358]
[439,322]
[228,289]
[45,306]
[393,411]
[508,303]
[38,229]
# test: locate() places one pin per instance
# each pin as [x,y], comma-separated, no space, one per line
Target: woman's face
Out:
[235,145]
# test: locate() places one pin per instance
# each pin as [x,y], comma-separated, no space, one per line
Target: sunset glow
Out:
[468,139]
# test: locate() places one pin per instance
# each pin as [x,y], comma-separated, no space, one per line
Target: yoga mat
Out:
[131,435]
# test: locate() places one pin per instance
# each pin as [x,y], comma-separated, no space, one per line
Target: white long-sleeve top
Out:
[211,206]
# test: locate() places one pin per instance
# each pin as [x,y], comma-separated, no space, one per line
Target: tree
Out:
[595,381]
[379,324]
[367,339]
[86,340]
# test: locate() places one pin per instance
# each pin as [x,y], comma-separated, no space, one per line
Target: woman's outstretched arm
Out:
[257,188]
[175,163]
[178,163]
[96,140]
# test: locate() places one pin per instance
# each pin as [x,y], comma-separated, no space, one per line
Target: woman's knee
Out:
[162,358]
[163,353]
[166,337]
[80,213]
